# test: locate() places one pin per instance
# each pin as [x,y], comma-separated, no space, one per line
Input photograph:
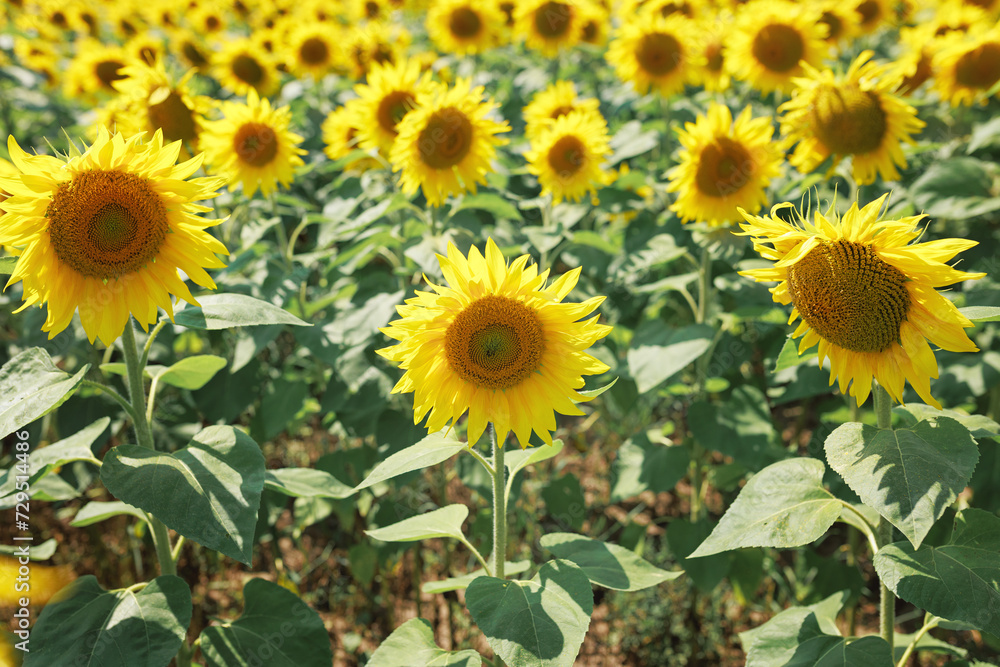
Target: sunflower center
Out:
[247,69]
[834,25]
[107,72]
[174,118]
[559,112]
[847,120]
[464,23]
[979,68]
[590,32]
[869,12]
[314,51]
[552,19]
[920,74]
[725,167]
[658,53]
[495,342]
[372,10]
[446,139]
[778,47]
[567,156]
[106,223]
[148,55]
[850,296]
[713,56]
[255,144]
[393,107]
[194,55]
[213,23]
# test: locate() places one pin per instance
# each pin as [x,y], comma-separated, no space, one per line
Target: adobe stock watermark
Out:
[22,581]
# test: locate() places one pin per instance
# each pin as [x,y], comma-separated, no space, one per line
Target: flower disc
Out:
[653,51]
[966,67]
[384,100]
[568,155]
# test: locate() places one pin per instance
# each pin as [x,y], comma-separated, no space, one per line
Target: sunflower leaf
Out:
[412,643]
[31,386]
[433,449]
[7,265]
[443,522]
[224,311]
[981,313]
[607,565]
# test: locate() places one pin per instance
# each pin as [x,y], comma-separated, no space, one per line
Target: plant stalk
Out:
[499,507]
[887,599]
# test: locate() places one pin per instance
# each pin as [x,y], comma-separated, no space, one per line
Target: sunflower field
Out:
[533,333]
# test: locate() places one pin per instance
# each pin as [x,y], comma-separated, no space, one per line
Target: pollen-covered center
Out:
[848,121]
[778,47]
[567,156]
[393,107]
[194,55]
[850,296]
[247,69]
[255,144]
[495,342]
[172,116]
[552,19]
[314,51]
[106,223]
[465,23]
[446,139]
[714,58]
[724,167]
[980,67]
[659,53]
[109,71]
[835,27]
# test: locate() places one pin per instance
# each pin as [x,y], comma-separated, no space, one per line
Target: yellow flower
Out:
[865,293]
[967,66]
[151,101]
[496,341]
[242,66]
[251,145]
[549,26]
[854,115]
[871,14]
[190,49]
[724,165]
[373,44]
[842,21]
[654,52]
[311,49]
[106,232]
[567,156]
[464,26]
[390,93]
[558,99]
[94,69]
[446,144]
[770,41]
[340,134]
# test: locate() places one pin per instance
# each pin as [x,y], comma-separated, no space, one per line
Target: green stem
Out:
[867,530]
[149,342]
[126,406]
[499,507]
[930,622]
[479,556]
[704,286]
[887,600]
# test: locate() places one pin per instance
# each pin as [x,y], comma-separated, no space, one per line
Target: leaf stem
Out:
[887,599]
[499,506]
[149,343]
[930,622]
[121,400]
[868,528]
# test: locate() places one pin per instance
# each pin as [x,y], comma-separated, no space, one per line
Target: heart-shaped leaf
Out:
[443,522]
[208,491]
[462,582]
[607,565]
[224,311]
[306,483]
[192,372]
[412,643]
[651,362]
[536,623]
[795,637]
[31,386]
[97,511]
[517,460]
[433,449]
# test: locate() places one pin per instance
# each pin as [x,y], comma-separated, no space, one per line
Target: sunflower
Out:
[207,19]
[251,145]
[446,144]
[855,115]
[498,342]
[594,24]
[311,49]
[463,26]
[340,136]
[567,155]
[654,52]
[190,49]
[871,14]
[152,101]
[94,69]
[913,67]
[107,230]
[841,21]
[548,26]
[390,93]
[724,165]
[709,58]
[558,99]
[966,67]
[375,43]
[865,294]
[146,48]
[242,66]
[770,41]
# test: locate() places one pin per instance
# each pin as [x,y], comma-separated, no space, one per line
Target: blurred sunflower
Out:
[390,93]
[568,154]
[872,14]
[252,145]
[369,10]
[375,43]
[558,99]
[724,165]
[106,232]
[548,26]
[709,57]
[770,41]
[446,144]
[865,294]
[594,24]
[190,50]
[146,48]
[311,50]
[94,69]
[124,20]
[207,19]
[967,66]
[913,67]
[654,52]
[152,101]
[495,341]
[242,66]
[855,115]
[464,27]
[841,21]
[340,137]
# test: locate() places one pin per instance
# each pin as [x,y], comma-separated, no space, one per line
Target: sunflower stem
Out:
[499,507]
[149,343]
[887,600]
[930,622]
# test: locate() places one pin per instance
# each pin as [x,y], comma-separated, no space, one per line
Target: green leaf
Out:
[412,643]
[31,386]
[741,428]
[630,141]
[97,511]
[517,460]
[959,581]
[979,425]
[683,537]
[7,265]
[984,135]
[789,356]
[825,612]
[536,623]
[46,459]
[491,203]
[192,372]
[955,188]
[208,491]
[306,483]
[443,522]
[462,582]
[795,637]
[88,626]
[433,449]
[981,313]
[39,552]
[909,475]
[784,505]
[594,393]
[652,363]
[925,643]
[643,465]
[276,629]
[224,311]
[607,565]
